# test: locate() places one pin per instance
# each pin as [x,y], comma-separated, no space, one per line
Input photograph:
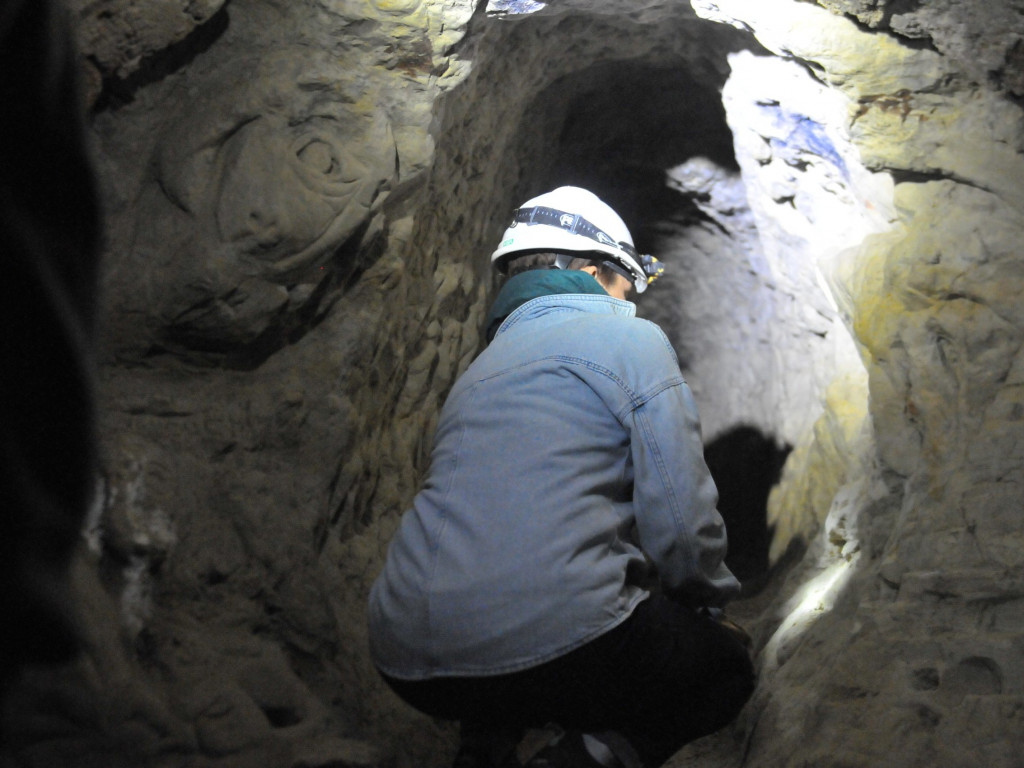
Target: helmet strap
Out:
[563,260]
[619,269]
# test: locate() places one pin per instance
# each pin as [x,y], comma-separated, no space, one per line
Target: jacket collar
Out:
[527,287]
[602,304]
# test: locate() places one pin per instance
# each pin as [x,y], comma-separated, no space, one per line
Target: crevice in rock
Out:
[118,91]
[909,176]
[883,26]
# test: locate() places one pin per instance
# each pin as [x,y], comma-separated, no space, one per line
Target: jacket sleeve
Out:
[675,498]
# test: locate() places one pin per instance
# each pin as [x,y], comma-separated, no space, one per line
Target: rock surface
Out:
[892,649]
[300,197]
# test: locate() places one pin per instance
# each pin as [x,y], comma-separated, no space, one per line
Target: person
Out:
[563,562]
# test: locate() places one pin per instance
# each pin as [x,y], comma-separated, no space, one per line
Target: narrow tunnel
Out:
[651,137]
[629,131]
[298,199]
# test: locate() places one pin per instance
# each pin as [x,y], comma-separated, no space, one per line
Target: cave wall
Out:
[902,644]
[273,350]
[299,199]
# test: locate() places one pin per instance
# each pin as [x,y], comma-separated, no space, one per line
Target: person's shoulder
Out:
[630,335]
[653,338]
[639,328]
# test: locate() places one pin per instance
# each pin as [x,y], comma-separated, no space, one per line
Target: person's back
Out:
[567,459]
[530,492]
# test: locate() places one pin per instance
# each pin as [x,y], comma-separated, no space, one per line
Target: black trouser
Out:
[664,677]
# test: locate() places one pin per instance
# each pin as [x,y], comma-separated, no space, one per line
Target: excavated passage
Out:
[297,214]
[634,112]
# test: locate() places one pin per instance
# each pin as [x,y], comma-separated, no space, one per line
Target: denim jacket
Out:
[567,460]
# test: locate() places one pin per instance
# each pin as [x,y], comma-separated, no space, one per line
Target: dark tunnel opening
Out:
[625,125]
[620,128]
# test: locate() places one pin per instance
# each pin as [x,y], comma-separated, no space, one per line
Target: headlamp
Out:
[640,269]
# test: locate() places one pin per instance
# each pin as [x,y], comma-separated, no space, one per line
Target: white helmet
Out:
[570,219]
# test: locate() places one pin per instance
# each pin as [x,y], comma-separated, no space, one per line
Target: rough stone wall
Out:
[901,644]
[275,346]
[300,196]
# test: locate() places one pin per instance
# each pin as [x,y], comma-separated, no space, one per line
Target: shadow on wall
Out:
[746,464]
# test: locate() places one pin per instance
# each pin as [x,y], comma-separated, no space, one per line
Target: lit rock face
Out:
[902,645]
[300,198]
